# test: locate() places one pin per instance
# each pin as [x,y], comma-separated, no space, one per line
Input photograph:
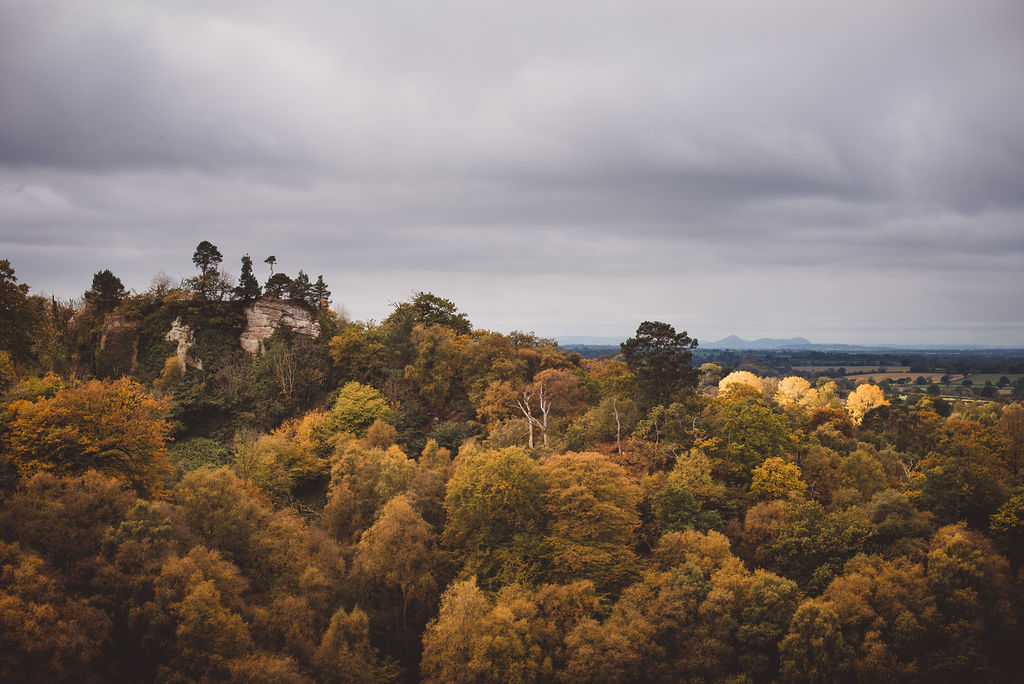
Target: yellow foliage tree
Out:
[777,479]
[792,390]
[740,379]
[864,398]
[592,505]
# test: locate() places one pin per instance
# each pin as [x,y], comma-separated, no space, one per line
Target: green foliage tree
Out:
[207,257]
[300,288]
[106,292]
[209,284]
[748,433]
[15,314]
[278,286]
[321,296]
[248,288]
[659,357]
[356,409]
[429,309]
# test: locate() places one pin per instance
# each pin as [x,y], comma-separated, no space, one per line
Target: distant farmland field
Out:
[982,378]
[853,370]
[930,376]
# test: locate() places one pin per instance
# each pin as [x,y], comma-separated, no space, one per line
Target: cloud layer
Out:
[848,172]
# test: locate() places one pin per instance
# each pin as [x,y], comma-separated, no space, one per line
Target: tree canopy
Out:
[660,357]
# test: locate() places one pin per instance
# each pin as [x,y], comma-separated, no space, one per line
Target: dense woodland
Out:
[416,499]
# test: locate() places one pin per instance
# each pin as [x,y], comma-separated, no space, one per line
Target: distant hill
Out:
[589,341]
[597,345]
[734,342]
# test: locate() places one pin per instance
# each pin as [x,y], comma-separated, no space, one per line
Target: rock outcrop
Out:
[182,334]
[264,316]
[119,345]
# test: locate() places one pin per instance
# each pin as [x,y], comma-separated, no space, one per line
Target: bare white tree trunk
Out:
[545,409]
[524,406]
[618,425]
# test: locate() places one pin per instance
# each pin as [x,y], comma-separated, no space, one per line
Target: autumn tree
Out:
[398,557]
[495,519]
[971,583]
[346,655]
[552,393]
[114,427]
[363,480]
[864,398]
[792,390]
[356,408]
[45,634]
[888,616]
[448,642]
[776,479]
[740,379]
[197,600]
[814,649]
[591,504]
[358,352]
[65,520]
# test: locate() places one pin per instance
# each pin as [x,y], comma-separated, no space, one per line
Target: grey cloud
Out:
[641,148]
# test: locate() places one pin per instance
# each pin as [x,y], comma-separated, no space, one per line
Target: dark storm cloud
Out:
[645,151]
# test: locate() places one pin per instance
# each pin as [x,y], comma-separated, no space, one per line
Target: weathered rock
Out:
[182,334]
[264,316]
[119,344]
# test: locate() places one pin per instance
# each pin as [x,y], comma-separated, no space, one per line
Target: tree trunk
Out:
[618,425]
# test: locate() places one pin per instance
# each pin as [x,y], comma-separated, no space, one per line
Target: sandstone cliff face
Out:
[119,345]
[182,334]
[267,315]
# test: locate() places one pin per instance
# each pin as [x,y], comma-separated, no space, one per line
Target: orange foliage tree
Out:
[114,427]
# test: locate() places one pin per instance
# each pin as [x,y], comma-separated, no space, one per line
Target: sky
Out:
[850,172]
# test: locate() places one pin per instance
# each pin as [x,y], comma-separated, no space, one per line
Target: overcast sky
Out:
[849,172]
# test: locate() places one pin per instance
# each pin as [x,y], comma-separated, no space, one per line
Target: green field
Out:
[853,370]
[979,379]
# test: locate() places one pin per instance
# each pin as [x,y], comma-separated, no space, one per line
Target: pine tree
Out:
[321,295]
[278,285]
[301,289]
[248,288]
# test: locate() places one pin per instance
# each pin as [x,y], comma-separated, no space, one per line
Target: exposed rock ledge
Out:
[265,316]
[182,334]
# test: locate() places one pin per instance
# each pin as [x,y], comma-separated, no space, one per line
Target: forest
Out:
[418,499]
